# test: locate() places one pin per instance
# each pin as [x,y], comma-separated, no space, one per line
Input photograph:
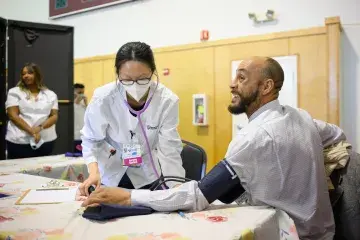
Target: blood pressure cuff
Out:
[221,183]
[110,211]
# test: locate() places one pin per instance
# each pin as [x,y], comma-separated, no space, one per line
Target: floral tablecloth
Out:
[64,221]
[57,166]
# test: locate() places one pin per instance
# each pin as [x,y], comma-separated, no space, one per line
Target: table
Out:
[57,166]
[64,221]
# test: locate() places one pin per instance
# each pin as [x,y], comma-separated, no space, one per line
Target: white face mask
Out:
[137,91]
[36,145]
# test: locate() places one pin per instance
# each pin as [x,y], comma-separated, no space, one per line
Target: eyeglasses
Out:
[144,81]
[131,82]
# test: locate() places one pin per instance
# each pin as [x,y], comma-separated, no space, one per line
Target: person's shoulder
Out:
[297,112]
[50,93]
[249,139]
[250,133]
[167,95]
[15,90]
[104,92]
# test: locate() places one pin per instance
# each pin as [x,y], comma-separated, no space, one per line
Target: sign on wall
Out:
[61,8]
[287,96]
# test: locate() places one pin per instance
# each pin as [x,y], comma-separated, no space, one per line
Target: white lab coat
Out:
[108,122]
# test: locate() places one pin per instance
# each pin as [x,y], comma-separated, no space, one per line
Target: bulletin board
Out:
[288,94]
[61,8]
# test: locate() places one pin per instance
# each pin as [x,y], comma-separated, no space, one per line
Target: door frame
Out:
[3,90]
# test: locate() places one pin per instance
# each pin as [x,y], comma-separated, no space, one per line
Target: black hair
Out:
[79,85]
[136,51]
[273,70]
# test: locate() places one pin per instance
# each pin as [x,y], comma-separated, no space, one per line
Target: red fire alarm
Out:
[204,35]
[166,71]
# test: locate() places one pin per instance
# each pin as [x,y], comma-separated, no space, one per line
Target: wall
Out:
[163,23]
[206,68]
[350,102]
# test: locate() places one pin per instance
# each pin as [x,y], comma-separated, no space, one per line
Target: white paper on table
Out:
[41,196]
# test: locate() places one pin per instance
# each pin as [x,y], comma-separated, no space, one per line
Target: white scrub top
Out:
[108,124]
[79,113]
[33,111]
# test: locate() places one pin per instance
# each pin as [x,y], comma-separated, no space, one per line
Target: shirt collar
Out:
[269,105]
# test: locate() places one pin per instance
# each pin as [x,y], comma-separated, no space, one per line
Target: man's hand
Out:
[85,101]
[110,195]
[77,98]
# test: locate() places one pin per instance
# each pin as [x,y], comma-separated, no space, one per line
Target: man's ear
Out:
[268,86]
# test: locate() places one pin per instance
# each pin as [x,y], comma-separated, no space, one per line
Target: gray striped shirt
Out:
[279,159]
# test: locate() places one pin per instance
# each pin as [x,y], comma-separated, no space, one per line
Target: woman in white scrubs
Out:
[33,112]
[137,117]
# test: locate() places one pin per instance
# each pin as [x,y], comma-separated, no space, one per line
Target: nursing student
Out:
[137,117]
[32,109]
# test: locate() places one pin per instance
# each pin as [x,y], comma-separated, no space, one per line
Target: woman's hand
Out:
[36,129]
[79,197]
[93,179]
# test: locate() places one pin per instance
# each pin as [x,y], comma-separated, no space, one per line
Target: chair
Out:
[347,208]
[194,160]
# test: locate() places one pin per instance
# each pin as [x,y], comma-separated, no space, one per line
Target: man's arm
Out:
[220,183]
[330,134]
[188,196]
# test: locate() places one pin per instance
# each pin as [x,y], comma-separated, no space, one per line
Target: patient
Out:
[276,160]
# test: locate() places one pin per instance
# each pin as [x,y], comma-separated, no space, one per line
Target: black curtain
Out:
[2,87]
[50,47]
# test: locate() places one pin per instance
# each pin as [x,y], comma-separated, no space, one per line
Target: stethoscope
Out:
[160,180]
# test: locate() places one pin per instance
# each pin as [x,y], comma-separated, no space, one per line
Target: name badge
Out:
[131,155]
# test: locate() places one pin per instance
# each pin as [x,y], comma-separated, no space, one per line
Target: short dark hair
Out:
[79,85]
[136,51]
[273,70]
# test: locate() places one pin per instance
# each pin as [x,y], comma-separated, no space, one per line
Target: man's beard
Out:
[243,103]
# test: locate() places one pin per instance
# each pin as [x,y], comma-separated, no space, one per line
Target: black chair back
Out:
[194,160]
[347,208]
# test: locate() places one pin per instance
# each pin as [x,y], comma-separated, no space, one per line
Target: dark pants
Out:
[125,182]
[15,151]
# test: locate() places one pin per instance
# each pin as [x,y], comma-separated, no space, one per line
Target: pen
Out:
[46,189]
[112,153]
[182,214]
